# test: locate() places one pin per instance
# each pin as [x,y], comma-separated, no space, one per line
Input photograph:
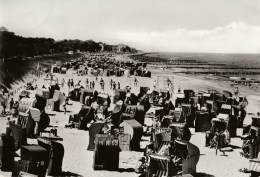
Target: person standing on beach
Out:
[11,103]
[93,84]
[69,83]
[114,85]
[90,85]
[111,84]
[87,86]
[63,82]
[102,84]
[72,83]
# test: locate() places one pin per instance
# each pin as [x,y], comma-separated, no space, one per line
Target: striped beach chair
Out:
[160,166]
[22,119]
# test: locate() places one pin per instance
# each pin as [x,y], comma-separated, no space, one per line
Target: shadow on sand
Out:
[203,175]
[68,173]
[126,170]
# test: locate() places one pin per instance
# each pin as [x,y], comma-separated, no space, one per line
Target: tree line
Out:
[14,46]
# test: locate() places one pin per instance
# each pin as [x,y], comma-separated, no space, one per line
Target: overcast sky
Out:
[231,26]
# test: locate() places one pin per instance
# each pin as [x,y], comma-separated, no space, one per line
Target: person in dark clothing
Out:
[87,84]
[114,85]
[69,83]
[72,83]
[11,104]
[93,85]
[118,85]
[111,84]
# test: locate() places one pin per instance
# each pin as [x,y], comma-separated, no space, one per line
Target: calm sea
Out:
[231,59]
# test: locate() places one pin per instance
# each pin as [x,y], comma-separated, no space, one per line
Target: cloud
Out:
[236,37]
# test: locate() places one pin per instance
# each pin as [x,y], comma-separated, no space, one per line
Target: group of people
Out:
[113,84]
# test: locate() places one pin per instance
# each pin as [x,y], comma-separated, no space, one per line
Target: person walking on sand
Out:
[72,83]
[69,83]
[63,82]
[90,85]
[114,85]
[102,84]
[93,85]
[87,82]
[111,84]
[11,103]
[65,104]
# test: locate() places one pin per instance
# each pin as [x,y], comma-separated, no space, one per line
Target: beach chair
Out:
[38,158]
[177,116]
[19,135]
[134,112]
[119,94]
[160,166]
[135,130]
[104,100]
[90,93]
[55,151]
[106,153]
[26,121]
[161,138]
[180,131]
[188,94]
[202,121]
[7,152]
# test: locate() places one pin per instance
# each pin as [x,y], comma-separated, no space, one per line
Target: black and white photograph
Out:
[130,88]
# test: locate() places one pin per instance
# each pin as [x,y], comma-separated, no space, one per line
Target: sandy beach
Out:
[78,161]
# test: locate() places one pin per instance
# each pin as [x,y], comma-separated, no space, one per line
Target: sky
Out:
[217,26]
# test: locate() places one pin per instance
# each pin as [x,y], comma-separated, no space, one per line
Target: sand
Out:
[79,161]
